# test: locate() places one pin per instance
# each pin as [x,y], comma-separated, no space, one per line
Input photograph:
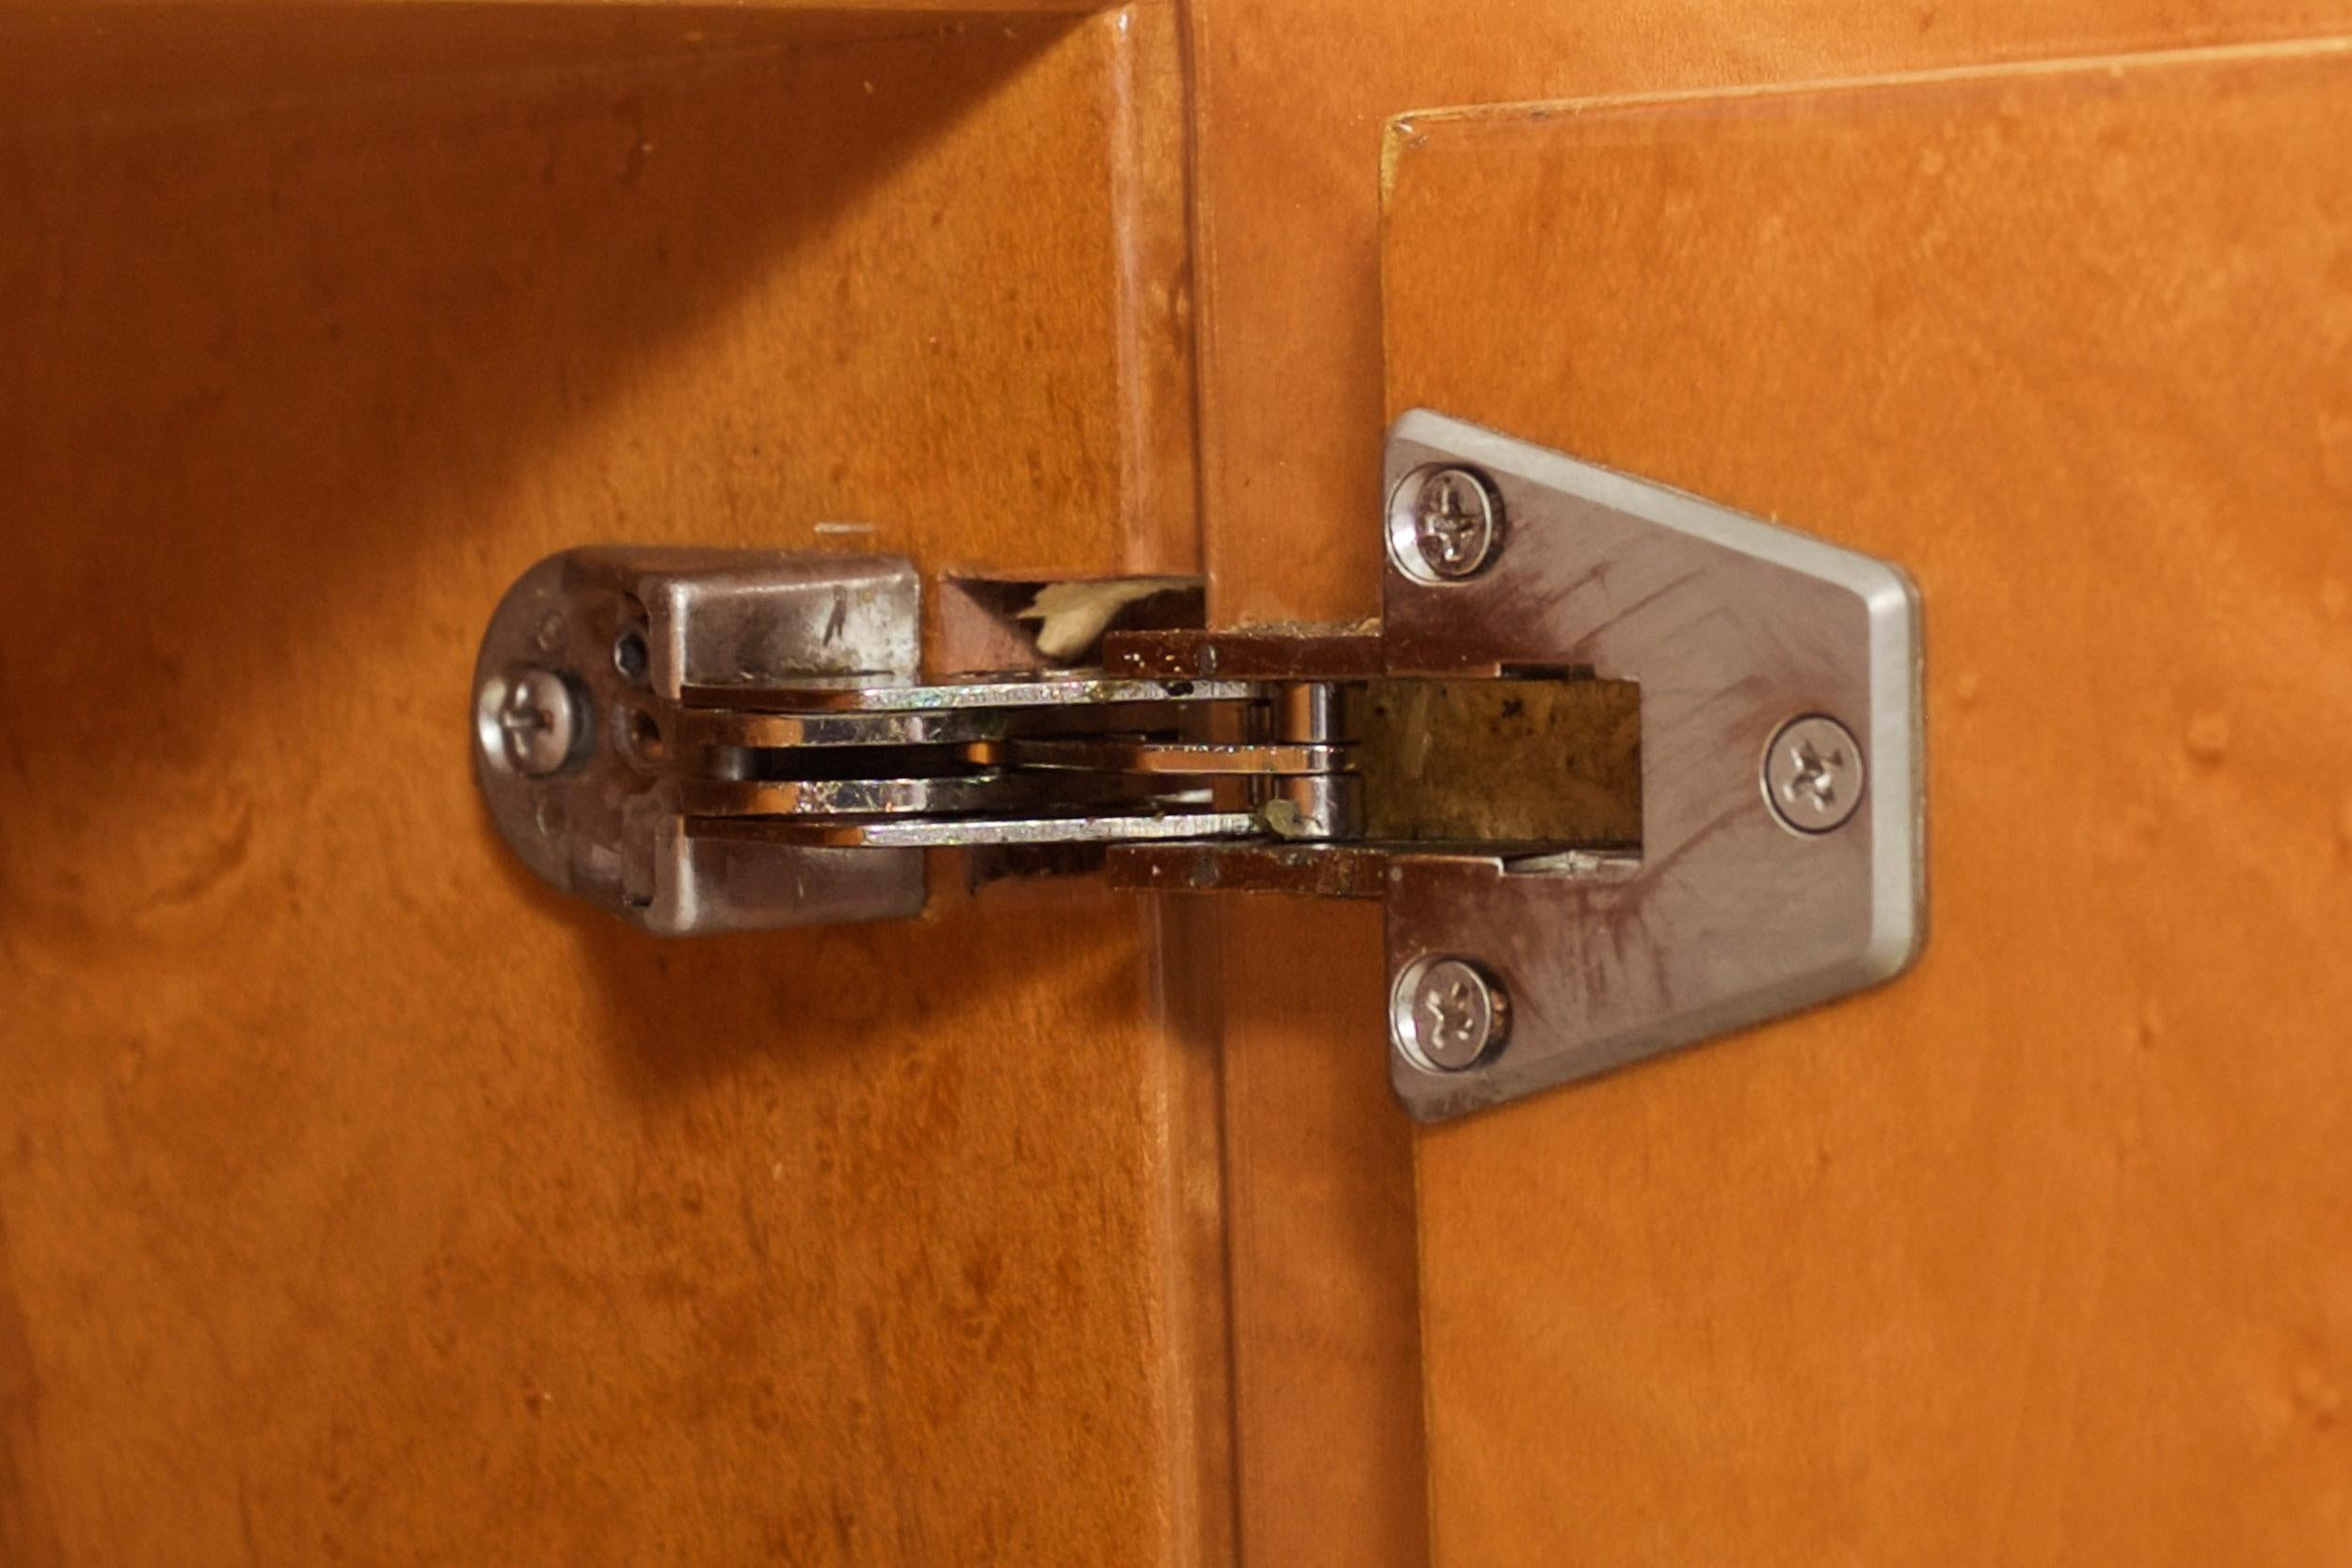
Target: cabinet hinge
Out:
[1626,769]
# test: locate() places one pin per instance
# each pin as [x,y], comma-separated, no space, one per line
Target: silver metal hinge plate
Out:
[1782,862]
[715,740]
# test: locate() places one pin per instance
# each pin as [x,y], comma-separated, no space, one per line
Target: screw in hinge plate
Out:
[1447,1015]
[1445,525]
[539,723]
[1813,774]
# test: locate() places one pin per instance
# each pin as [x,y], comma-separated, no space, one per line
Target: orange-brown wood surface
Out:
[1290,97]
[2042,1255]
[1289,101]
[362,1201]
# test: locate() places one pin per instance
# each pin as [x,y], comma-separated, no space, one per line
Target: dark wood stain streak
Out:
[28,1533]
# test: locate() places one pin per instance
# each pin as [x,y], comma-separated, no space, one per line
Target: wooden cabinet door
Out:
[2043,1254]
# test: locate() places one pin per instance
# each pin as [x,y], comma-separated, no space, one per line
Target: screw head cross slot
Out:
[1813,774]
[1446,526]
[1446,1014]
[539,723]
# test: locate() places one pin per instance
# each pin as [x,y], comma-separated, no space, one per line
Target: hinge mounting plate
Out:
[1735,630]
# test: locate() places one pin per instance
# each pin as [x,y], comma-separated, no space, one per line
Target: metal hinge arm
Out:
[1627,768]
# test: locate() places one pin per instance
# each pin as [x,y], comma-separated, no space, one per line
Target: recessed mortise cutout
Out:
[1000,623]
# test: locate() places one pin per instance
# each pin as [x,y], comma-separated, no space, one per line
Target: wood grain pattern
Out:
[1326,1364]
[2039,1255]
[118,60]
[363,1201]
[1290,98]
[357,1199]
